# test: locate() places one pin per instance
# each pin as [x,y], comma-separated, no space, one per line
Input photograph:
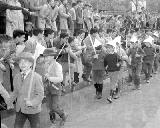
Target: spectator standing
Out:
[63,16]
[3,7]
[72,12]
[14,18]
[51,23]
[79,15]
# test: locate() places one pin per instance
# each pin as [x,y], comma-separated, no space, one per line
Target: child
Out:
[148,60]
[136,53]
[112,65]
[27,108]
[54,78]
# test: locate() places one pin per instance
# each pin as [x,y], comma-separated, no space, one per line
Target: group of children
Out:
[97,53]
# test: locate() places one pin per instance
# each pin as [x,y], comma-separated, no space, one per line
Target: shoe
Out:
[73,86]
[99,96]
[155,72]
[109,99]
[52,117]
[138,88]
[64,118]
[147,81]
[116,94]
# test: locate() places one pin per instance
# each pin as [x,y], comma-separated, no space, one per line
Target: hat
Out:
[111,43]
[25,55]
[49,52]
[156,34]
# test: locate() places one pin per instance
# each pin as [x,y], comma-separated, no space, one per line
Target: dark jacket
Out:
[98,64]
[136,60]
[149,54]
[112,62]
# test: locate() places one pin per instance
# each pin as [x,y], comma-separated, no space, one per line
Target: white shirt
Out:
[26,74]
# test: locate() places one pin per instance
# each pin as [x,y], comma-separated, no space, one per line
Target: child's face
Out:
[25,65]
[21,39]
[110,49]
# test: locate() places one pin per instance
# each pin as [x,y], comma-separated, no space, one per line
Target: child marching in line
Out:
[157,48]
[54,77]
[27,108]
[98,71]
[148,60]
[112,65]
[136,53]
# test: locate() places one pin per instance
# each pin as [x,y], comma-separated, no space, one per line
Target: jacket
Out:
[55,78]
[79,14]
[150,53]
[21,91]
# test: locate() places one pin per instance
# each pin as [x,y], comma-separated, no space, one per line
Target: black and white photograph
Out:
[79,63]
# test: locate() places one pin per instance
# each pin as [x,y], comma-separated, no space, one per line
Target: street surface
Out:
[135,109]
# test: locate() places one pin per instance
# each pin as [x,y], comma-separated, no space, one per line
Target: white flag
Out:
[97,43]
[39,50]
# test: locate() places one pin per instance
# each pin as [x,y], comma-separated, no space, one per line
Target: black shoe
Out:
[116,93]
[52,117]
[109,99]
[99,95]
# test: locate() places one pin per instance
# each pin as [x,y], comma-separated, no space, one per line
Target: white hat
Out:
[149,40]
[112,43]
[134,39]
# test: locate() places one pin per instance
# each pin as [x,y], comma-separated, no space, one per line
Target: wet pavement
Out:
[135,109]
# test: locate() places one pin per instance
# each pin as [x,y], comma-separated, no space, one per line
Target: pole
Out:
[31,81]
[92,44]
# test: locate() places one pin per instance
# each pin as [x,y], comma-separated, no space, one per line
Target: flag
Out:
[39,50]
[97,43]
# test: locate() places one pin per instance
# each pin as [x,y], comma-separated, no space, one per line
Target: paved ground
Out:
[135,109]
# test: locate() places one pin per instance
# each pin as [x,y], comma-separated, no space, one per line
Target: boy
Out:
[136,53]
[148,60]
[54,77]
[27,108]
[112,65]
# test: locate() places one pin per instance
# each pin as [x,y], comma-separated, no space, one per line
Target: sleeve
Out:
[7,6]
[141,52]
[15,93]
[4,93]
[73,55]
[55,13]
[129,52]
[39,91]
[118,58]
[59,77]
[105,61]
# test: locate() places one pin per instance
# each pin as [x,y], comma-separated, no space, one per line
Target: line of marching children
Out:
[140,55]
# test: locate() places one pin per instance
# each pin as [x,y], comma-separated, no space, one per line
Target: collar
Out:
[27,73]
